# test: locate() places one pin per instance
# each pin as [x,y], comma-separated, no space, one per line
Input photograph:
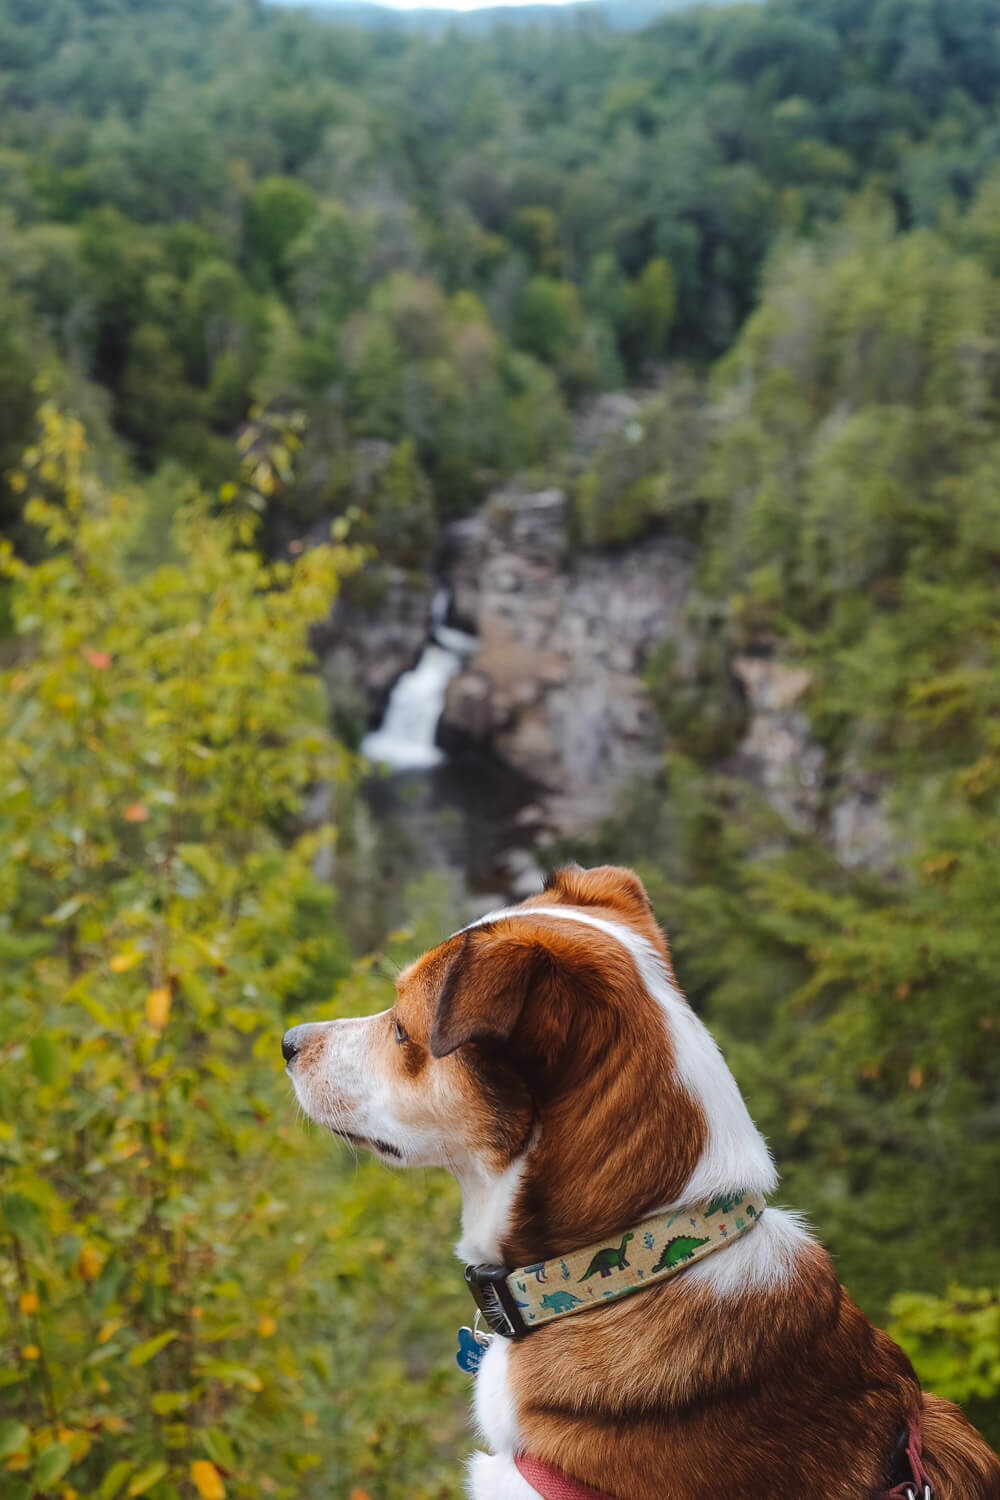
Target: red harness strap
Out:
[553,1484]
[919,1487]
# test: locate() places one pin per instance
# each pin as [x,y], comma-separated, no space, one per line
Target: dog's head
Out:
[545,1057]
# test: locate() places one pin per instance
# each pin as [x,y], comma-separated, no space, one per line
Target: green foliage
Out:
[548,318]
[954,1340]
[650,473]
[695,694]
[208,206]
[652,305]
[536,230]
[278,211]
[166,1242]
[402,510]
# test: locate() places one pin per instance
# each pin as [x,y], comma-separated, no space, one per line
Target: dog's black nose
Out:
[289,1046]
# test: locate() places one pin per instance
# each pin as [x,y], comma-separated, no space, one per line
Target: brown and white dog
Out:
[545,1057]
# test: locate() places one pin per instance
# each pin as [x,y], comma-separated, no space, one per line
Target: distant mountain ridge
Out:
[621,15]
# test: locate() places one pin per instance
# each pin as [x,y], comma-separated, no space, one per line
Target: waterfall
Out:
[404,741]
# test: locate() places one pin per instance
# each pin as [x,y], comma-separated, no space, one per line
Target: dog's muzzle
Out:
[291,1042]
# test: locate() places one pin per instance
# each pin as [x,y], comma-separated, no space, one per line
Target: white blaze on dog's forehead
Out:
[735,1155]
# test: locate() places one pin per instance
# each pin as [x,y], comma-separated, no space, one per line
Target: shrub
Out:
[176,1320]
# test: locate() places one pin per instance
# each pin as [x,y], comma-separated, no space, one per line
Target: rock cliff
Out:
[556,687]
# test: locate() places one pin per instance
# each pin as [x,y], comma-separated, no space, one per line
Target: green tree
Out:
[278,211]
[549,318]
[653,301]
[536,230]
[401,514]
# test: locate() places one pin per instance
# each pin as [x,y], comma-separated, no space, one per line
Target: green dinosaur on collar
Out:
[680,1248]
[607,1261]
[724,1204]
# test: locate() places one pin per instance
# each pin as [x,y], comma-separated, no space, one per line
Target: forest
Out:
[243,248]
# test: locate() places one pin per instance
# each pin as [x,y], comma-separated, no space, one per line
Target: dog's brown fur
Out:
[675,1392]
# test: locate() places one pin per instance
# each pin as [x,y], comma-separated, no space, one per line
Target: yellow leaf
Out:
[207,1480]
[28,1302]
[108,1330]
[89,1263]
[266,1327]
[121,962]
[30,1351]
[158,1007]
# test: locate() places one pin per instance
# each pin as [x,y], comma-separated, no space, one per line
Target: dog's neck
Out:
[488,1206]
[763,1262]
[488,1201]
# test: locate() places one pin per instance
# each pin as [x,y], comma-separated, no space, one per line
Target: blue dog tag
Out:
[470,1351]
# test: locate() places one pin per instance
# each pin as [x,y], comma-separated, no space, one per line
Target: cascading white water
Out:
[404,741]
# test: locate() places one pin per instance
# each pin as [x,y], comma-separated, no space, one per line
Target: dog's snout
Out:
[290,1044]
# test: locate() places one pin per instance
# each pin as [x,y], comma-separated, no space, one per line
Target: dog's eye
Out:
[402,1035]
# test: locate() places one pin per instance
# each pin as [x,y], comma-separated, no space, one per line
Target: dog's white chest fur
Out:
[493,1476]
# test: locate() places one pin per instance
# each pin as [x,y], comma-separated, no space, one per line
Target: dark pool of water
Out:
[460,818]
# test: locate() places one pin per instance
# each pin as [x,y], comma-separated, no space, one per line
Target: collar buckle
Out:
[495,1300]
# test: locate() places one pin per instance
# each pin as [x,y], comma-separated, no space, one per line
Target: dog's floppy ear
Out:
[484,990]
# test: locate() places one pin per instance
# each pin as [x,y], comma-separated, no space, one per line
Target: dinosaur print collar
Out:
[515,1303]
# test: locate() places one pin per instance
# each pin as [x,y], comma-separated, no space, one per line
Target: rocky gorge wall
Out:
[556,688]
